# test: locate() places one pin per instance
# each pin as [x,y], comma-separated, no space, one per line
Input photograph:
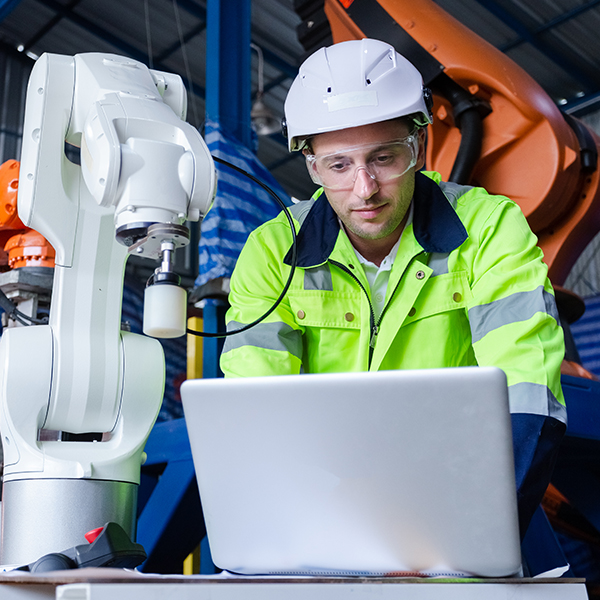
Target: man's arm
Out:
[274,346]
[514,325]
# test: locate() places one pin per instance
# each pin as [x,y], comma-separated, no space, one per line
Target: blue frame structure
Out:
[577,472]
[228,100]
[6,7]
[170,521]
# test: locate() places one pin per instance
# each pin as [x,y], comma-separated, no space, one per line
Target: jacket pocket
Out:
[326,309]
[443,293]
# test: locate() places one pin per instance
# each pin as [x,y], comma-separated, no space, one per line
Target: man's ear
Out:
[422,133]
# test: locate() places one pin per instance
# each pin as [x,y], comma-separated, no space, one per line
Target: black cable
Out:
[11,309]
[293,261]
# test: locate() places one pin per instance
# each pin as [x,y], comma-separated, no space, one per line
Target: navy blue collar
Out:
[436,225]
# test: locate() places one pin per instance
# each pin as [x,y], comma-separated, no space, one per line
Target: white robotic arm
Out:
[143,173]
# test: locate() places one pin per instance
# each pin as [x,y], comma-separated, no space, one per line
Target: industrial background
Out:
[555,41]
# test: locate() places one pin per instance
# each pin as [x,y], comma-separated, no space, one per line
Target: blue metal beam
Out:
[275,82]
[98,31]
[63,11]
[193,8]
[582,106]
[228,96]
[274,60]
[213,314]
[198,11]
[588,83]
[6,7]
[49,25]
[170,525]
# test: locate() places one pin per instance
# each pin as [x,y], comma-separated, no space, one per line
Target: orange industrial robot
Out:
[26,253]
[494,126]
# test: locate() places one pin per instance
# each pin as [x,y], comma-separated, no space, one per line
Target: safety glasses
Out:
[382,162]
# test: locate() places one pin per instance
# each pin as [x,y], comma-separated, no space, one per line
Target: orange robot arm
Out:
[523,146]
[25,247]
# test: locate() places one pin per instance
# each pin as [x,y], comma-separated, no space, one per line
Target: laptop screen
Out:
[357,473]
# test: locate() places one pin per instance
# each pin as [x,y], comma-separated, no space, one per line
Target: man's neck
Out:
[376,250]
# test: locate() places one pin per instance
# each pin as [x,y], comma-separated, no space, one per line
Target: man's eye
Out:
[383,159]
[338,167]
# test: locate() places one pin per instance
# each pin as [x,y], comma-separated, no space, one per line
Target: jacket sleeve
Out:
[514,326]
[274,346]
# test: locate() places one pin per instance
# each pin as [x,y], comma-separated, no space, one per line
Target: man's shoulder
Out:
[301,208]
[483,213]
[275,234]
[473,202]
[298,211]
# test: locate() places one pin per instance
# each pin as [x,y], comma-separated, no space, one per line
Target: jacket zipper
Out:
[374,325]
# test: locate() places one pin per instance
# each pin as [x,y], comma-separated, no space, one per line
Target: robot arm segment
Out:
[142,169]
[75,426]
[44,166]
[138,155]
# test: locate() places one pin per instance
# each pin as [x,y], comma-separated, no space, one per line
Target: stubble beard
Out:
[388,227]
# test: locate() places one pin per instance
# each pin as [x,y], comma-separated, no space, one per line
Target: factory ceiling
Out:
[555,41]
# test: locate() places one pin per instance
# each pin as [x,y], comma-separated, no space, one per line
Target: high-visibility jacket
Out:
[468,287]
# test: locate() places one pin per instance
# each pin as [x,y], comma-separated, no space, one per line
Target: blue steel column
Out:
[228,103]
[6,7]
[228,99]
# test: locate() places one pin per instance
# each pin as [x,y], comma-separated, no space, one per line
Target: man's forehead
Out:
[332,141]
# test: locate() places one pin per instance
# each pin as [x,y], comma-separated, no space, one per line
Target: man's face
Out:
[370,208]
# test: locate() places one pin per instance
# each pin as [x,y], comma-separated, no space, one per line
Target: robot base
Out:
[70,508]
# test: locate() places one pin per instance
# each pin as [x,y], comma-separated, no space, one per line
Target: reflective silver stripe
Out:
[550,302]
[453,191]
[535,399]
[439,263]
[512,309]
[318,278]
[269,336]
[301,209]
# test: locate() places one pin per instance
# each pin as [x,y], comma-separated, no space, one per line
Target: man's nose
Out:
[365,184]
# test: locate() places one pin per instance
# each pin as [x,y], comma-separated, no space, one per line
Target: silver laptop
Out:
[385,473]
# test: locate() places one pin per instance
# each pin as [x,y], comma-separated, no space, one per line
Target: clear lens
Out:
[382,161]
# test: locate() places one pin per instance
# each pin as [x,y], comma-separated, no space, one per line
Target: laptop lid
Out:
[357,473]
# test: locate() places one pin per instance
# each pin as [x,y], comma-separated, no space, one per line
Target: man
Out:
[398,270]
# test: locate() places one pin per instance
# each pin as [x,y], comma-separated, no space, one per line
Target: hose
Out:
[468,112]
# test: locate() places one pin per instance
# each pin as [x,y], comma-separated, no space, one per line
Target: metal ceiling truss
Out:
[190,6]
[589,84]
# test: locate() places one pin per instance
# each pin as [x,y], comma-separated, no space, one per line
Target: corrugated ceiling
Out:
[556,41]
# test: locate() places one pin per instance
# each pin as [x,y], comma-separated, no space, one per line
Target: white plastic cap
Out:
[165,311]
[351,84]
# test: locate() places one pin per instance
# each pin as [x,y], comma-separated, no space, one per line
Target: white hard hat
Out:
[351,84]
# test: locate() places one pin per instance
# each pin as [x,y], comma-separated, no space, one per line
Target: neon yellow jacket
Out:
[468,287]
